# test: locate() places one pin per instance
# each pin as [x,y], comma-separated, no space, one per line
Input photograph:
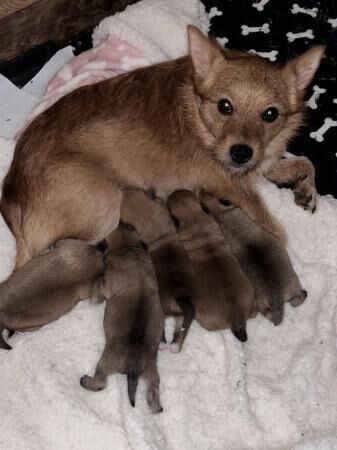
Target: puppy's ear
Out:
[305,66]
[203,52]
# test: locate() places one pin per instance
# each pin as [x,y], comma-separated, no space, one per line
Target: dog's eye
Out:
[270,114]
[225,107]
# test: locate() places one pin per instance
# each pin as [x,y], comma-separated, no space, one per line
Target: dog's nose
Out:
[240,153]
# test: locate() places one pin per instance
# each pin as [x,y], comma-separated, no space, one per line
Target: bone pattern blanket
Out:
[277,391]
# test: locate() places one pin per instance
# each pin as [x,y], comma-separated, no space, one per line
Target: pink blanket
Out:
[110,58]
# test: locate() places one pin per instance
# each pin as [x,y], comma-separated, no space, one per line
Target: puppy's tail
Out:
[132,378]
[240,332]
[187,308]
[3,343]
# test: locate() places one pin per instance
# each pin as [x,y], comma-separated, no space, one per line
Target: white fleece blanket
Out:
[277,391]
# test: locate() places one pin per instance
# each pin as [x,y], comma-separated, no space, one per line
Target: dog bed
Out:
[274,392]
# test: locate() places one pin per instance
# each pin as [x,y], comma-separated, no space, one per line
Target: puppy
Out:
[49,286]
[133,320]
[211,120]
[174,270]
[263,258]
[224,298]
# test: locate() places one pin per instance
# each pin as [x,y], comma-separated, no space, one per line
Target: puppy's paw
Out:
[306,195]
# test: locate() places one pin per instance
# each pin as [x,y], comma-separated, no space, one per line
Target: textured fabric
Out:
[288,28]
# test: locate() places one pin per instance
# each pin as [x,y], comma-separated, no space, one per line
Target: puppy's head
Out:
[247,107]
[184,207]
[214,205]
[145,211]
[126,235]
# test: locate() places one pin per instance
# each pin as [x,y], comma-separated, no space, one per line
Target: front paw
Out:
[305,195]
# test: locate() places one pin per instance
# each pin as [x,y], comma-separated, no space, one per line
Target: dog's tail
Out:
[3,343]
[187,308]
[132,378]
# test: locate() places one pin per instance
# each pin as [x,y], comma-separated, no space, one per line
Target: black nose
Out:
[240,154]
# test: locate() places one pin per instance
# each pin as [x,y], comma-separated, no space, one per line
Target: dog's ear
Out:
[305,66]
[203,52]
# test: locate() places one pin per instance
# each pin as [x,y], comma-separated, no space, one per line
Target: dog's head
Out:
[247,108]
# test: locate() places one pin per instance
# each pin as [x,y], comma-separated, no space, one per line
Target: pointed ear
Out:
[203,51]
[305,66]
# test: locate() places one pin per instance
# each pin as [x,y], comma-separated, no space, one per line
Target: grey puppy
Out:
[174,269]
[133,320]
[225,297]
[48,286]
[262,256]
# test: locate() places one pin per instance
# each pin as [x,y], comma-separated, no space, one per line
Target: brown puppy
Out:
[133,320]
[49,286]
[210,120]
[174,270]
[263,258]
[224,296]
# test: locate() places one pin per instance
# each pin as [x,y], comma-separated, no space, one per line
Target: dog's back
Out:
[133,321]
[262,256]
[49,285]
[224,296]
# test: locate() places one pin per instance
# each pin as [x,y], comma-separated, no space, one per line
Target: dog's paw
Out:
[306,195]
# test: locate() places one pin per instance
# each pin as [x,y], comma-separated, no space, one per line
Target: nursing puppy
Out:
[224,296]
[174,270]
[211,120]
[48,286]
[133,320]
[263,258]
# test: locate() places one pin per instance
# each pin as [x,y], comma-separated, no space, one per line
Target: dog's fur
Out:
[174,270]
[157,126]
[263,258]
[224,296]
[133,321]
[49,286]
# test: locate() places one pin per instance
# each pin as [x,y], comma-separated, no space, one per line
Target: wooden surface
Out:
[51,20]
[10,6]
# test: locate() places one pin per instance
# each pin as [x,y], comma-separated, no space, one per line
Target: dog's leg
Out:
[152,380]
[99,381]
[297,173]
[182,326]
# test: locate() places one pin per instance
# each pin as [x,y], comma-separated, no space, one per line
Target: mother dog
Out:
[210,120]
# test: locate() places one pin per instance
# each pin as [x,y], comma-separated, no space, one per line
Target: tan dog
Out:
[49,286]
[224,297]
[210,120]
[263,258]
[133,320]
[174,270]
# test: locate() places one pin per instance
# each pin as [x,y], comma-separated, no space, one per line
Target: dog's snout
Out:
[240,153]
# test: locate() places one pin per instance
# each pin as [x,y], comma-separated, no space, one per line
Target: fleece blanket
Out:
[274,392]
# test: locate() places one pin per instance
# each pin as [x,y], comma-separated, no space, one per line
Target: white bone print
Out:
[260,5]
[213,12]
[318,134]
[245,29]
[333,22]
[222,41]
[269,55]
[305,34]
[312,102]
[298,9]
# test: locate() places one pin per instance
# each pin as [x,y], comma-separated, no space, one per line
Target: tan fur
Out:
[174,270]
[263,258]
[224,296]
[133,320]
[49,286]
[157,126]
